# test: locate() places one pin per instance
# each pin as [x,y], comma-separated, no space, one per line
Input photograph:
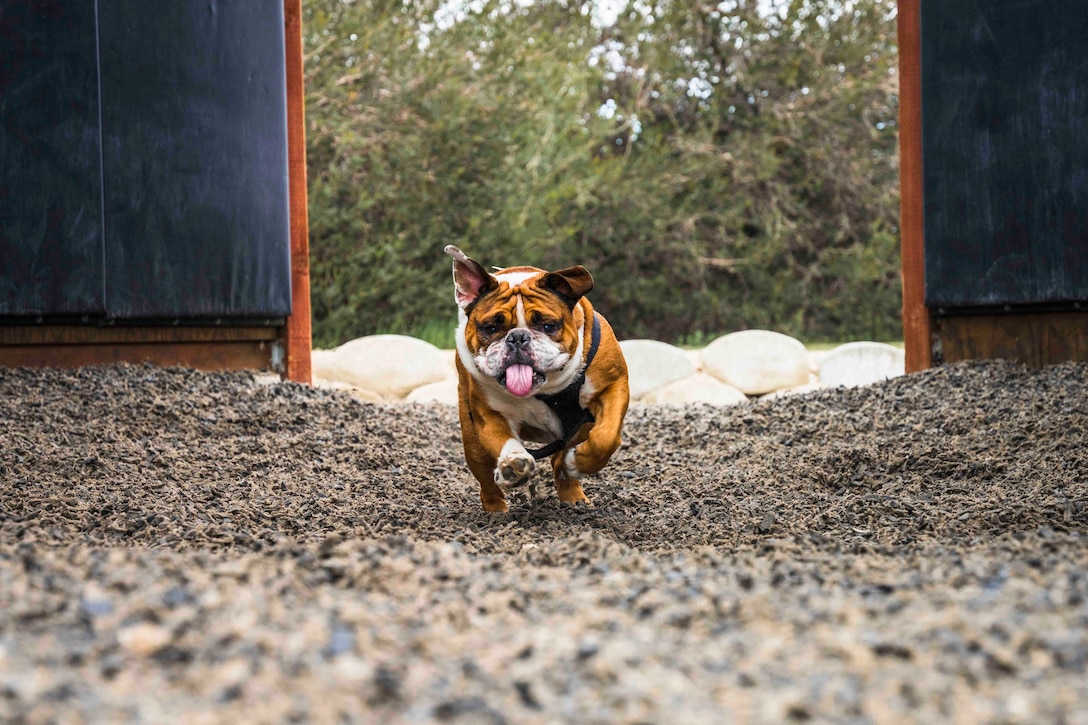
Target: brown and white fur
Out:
[521,318]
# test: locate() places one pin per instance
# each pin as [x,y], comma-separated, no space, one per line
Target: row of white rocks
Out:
[730,370]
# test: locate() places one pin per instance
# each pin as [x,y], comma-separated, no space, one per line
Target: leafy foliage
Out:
[715,167]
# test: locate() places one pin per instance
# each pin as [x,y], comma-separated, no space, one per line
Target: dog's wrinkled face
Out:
[518,324]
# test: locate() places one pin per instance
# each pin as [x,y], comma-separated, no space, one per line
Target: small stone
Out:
[352,670]
[96,607]
[236,568]
[233,673]
[96,601]
[341,640]
[144,639]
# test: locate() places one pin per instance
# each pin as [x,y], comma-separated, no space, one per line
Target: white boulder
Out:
[785,392]
[443,392]
[357,392]
[757,361]
[814,359]
[860,363]
[389,365]
[651,364]
[696,357]
[697,388]
[322,363]
[449,356]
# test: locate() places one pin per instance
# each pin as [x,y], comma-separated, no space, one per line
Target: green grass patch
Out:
[824,345]
[439,333]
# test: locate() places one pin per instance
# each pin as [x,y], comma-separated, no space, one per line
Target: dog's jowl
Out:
[535,365]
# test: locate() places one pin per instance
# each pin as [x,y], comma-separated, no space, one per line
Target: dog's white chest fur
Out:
[526,413]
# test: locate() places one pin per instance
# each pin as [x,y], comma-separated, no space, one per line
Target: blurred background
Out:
[717,166]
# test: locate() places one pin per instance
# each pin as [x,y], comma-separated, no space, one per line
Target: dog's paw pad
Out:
[514,470]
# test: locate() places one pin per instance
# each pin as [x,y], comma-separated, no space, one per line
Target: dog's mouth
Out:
[520,379]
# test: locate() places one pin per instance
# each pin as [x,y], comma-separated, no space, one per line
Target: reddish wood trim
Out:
[1033,339]
[242,355]
[86,335]
[297,339]
[917,323]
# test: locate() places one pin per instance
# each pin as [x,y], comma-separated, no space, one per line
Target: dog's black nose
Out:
[518,339]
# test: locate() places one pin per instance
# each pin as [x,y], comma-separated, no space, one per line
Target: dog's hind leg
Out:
[567,487]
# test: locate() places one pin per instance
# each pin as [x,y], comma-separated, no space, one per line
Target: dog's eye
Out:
[487,329]
[549,327]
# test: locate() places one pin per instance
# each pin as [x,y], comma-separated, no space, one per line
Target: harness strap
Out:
[566,405]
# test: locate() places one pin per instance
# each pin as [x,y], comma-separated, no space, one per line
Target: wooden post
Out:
[297,337]
[917,323]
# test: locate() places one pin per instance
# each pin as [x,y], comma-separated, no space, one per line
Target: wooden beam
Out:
[202,348]
[917,322]
[297,337]
[222,355]
[90,335]
[1034,339]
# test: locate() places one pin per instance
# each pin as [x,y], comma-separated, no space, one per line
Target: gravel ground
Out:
[195,547]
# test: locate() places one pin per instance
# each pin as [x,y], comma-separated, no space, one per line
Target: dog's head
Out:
[519,324]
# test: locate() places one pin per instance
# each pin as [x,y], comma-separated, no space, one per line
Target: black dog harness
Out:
[565,403]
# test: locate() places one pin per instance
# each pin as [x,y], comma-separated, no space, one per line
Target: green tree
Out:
[715,168]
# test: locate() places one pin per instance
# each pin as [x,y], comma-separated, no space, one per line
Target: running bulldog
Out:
[536,364]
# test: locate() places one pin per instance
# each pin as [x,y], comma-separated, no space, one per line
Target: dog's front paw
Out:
[513,469]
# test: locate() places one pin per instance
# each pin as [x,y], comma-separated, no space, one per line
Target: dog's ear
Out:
[470,280]
[571,284]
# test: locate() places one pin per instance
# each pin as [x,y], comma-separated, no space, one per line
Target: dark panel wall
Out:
[50,180]
[195,158]
[143,160]
[1005,151]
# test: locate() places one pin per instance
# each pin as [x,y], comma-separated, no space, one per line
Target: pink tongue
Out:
[519,379]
